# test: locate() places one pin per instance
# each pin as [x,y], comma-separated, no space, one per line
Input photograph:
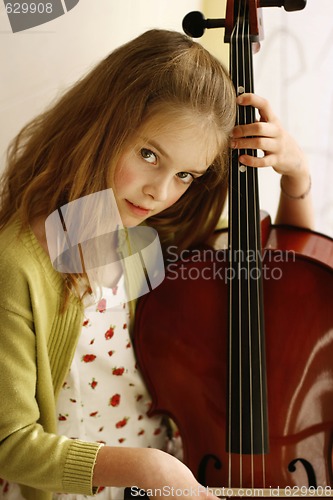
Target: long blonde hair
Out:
[70,150]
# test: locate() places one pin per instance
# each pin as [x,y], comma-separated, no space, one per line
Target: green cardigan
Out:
[37,344]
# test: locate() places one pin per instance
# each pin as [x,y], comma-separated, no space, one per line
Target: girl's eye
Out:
[148,156]
[185,177]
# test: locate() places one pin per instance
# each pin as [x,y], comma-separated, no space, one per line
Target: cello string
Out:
[251,209]
[233,189]
[247,84]
[244,230]
[239,272]
[230,301]
[244,291]
[230,293]
[257,246]
[257,227]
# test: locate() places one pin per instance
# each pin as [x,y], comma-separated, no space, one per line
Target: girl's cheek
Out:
[124,178]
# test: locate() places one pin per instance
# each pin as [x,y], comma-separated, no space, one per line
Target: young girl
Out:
[152,122]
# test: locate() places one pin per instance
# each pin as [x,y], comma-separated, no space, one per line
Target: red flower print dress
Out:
[104,397]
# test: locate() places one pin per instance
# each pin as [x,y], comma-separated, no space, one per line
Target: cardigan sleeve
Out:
[31,453]
[38,459]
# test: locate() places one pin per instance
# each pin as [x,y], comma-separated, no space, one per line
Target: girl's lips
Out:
[138,210]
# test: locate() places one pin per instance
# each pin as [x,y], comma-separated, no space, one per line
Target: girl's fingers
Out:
[269,145]
[258,102]
[258,162]
[262,129]
[280,150]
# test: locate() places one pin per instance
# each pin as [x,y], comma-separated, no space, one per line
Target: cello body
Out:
[236,344]
[182,354]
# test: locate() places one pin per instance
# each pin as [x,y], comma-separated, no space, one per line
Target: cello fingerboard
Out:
[247,427]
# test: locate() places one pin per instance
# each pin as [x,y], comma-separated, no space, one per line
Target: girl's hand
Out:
[149,469]
[280,150]
[283,154]
[174,479]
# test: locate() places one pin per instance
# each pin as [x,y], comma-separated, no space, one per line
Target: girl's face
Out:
[158,167]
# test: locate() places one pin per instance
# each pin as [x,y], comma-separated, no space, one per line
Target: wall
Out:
[294,69]
[39,63]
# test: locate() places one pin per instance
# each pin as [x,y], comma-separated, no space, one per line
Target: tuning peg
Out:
[288,5]
[194,24]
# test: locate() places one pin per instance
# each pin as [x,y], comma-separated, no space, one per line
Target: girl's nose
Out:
[158,188]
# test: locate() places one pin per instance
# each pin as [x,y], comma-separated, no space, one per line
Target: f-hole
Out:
[308,468]
[204,464]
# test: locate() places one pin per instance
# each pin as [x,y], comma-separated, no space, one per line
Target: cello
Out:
[242,355]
